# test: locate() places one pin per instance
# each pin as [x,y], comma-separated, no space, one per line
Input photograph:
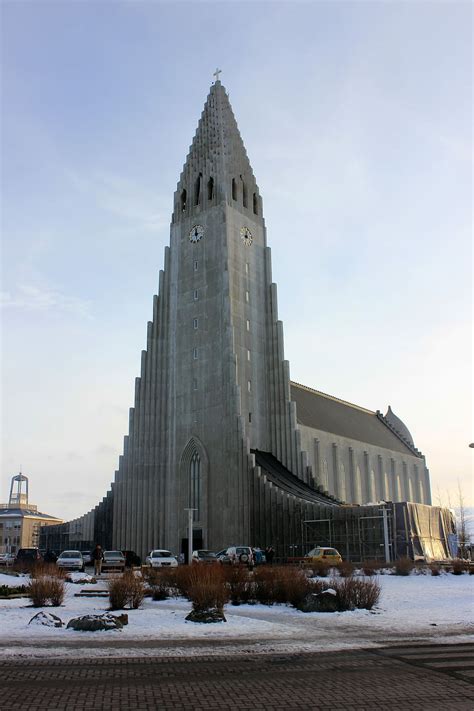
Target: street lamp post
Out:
[190,534]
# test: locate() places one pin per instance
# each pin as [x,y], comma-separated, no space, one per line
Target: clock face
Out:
[196,233]
[246,236]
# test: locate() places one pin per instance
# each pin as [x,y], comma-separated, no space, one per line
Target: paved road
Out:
[410,677]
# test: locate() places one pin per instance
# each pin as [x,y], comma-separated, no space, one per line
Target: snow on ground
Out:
[415,608]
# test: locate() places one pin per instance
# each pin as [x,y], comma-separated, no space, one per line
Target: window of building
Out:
[248,325]
[249,385]
[197,190]
[195,485]
[244,192]
[196,264]
[250,417]
[196,295]
[255,204]
[247,296]
[246,267]
[210,189]
[195,323]
[195,353]
[234,189]
[195,384]
[183,201]
[248,354]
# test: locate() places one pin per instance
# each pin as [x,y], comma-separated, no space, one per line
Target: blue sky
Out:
[357,120]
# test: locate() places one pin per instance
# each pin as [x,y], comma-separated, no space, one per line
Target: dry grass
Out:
[50,570]
[46,589]
[356,594]
[239,583]
[404,566]
[346,569]
[126,589]
[205,586]
[459,566]
[371,567]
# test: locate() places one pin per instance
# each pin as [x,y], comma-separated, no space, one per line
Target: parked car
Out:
[161,558]
[71,560]
[329,555]
[87,557]
[28,556]
[203,556]
[7,558]
[235,555]
[113,560]
[131,559]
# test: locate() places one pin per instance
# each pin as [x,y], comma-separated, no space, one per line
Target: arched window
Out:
[255,204]
[195,485]
[234,189]
[244,192]
[183,201]
[197,190]
[210,189]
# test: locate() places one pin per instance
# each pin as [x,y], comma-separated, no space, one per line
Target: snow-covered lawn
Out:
[414,608]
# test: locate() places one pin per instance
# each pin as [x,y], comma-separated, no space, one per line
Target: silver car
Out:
[71,560]
[160,558]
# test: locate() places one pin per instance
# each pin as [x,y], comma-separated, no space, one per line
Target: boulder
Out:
[325,601]
[93,623]
[213,615]
[47,619]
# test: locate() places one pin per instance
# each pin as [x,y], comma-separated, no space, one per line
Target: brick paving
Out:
[362,679]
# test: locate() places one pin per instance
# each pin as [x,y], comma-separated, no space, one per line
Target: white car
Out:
[71,560]
[7,558]
[236,554]
[160,558]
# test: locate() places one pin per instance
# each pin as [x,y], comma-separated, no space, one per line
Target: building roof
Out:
[329,414]
[13,511]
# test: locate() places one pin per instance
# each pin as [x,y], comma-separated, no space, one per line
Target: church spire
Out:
[217,168]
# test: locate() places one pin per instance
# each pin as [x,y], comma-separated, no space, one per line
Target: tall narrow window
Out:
[247,296]
[255,204]
[196,265]
[234,189]
[195,486]
[248,354]
[183,201]
[195,353]
[196,295]
[210,189]
[249,386]
[195,323]
[248,325]
[197,190]
[244,192]
[246,267]
[195,384]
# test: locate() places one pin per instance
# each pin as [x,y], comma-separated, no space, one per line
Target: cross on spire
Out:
[216,74]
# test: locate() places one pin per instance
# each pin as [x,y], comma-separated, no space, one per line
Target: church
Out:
[217,425]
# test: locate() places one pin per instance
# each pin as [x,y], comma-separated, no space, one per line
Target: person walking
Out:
[269,553]
[97,557]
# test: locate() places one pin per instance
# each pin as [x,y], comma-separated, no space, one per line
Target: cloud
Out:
[42,298]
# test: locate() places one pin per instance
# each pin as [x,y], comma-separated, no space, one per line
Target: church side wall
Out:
[359,473]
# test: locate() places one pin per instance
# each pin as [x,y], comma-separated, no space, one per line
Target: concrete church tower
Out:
[217,426]
[213,385]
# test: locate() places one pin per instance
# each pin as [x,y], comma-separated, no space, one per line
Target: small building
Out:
[20,521]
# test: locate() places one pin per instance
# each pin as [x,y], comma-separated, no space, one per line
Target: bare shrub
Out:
[435,569]
[294,587]
[353,593]
[39,591]
[205,587]
[264,584]
[239,584]
[346,568]
[371,567]
[126,589]
[320,568]
[50,570]
[157,583]
[458,566]
[56,591]
[404,566]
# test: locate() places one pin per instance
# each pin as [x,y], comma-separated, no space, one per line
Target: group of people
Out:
[263,556]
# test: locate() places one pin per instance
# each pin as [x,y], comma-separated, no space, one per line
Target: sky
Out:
[357,121]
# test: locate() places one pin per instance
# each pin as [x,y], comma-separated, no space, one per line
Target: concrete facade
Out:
[216,424]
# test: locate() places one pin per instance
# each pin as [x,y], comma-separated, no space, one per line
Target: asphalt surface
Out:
[406,677]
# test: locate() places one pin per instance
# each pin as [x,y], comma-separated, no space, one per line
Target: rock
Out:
[47,619]
[93,623]
[325,601]
[213,615]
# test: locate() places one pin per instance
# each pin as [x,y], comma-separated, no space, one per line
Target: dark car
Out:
[28,556]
